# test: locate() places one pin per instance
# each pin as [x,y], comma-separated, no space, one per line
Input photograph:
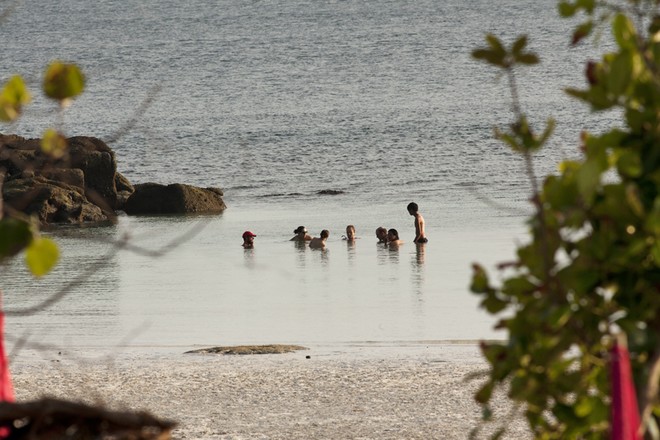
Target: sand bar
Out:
[349,391]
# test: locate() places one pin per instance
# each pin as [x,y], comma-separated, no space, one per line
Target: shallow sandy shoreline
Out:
[409,391]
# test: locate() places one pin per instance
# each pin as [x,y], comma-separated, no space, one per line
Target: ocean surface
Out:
[276,101]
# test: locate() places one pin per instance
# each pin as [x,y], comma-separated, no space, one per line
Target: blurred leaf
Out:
[41,256]
[489,56]
[654,26]
[634,200]
[15,235]
[483,395]
[527,58]
[629,163]
[519,45]
[623,31]
[495,44]
[582,31]
[566,9]
[63,81]
[12,99]
[479,280]
[53,143]
[620,73]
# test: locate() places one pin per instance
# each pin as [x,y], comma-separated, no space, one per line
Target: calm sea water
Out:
[275,101]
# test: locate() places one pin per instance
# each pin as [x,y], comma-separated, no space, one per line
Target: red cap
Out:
[249,234]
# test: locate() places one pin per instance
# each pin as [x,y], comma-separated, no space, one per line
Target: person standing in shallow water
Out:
[420,235]
[319,242]
[248,239]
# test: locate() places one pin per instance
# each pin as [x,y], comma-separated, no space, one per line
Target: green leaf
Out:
[655,252]
[654,26]
[634,200]
[583,408]
[495,44]
[479,280]
[624,31]
[63,81]
[12,99]
[527,58]
[519,45]
[566,9]
[489,56]
[15,235]
[493,305]
[629,163]
[53,143]
[483,395]
[582,31]
[620,73]
[41,256]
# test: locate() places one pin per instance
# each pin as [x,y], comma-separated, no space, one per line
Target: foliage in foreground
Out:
[591,268]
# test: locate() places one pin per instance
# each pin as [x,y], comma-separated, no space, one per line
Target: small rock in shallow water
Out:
[250,349]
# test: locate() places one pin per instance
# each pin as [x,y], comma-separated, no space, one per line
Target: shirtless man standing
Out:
[420,235]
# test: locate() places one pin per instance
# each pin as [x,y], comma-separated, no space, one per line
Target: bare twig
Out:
[130,123]
[4,15]
[92,268]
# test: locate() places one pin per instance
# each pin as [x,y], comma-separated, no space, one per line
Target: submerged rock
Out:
[330,192]
[177,198]
[250,349]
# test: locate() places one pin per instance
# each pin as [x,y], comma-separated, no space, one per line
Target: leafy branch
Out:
[591,268]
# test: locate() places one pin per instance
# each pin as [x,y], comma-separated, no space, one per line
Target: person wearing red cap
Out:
[248,239]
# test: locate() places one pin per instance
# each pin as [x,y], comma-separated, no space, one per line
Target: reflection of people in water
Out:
[319,242]
[350,233]
[420,235]
[248,240]
[381,234]
[420,253]
[393,238]
[301,234]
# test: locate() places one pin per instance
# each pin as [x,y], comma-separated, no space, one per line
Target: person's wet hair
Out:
[299,230]
[325,233]
[412,207]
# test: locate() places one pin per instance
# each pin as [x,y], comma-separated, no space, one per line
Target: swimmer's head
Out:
[300,230]
[392,235]
[350,232]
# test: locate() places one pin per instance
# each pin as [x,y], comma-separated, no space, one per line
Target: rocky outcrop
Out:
[154,198]
[84,185]
[50,201]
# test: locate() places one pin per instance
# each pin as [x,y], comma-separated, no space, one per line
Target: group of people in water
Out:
[386,236]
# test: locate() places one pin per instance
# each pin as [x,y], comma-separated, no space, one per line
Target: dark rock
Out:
[50,201]
[84,185]
[154,198]
[124,190]
[98,164]
[250,349]
[330,192]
